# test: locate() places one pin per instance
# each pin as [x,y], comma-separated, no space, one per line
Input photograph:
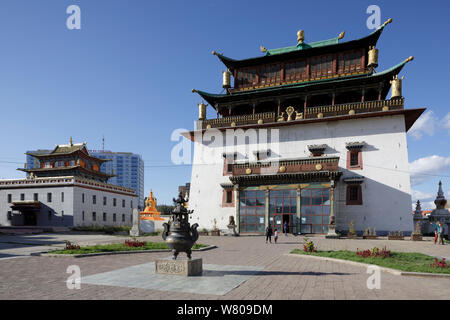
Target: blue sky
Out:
[128,73]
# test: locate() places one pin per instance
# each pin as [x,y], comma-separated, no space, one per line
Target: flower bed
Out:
[129,245]
[403,261]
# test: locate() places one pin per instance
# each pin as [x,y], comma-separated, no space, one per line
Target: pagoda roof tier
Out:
[66,150]
[307,87]
[64,170]
[305,49]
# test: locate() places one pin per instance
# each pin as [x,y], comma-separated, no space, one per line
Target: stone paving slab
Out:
[281,277]
[216,279]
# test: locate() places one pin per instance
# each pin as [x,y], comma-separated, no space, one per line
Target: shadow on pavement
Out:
[218,273]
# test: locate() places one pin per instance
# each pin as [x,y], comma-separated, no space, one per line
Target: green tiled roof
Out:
[302,46]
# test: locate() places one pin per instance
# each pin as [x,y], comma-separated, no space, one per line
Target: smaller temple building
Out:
[67,189]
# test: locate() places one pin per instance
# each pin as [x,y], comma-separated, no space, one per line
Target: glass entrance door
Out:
[283,209]
[315,210]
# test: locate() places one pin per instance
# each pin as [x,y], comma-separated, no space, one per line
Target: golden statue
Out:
[150,212]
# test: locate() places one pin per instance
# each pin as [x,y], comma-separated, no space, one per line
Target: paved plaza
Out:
[243,268]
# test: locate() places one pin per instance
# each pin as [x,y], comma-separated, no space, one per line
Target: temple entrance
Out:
[29,219]
[28,212]
[282,209]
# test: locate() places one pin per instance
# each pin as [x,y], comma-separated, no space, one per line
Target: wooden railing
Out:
[311,113]
[240,120]
[357,107]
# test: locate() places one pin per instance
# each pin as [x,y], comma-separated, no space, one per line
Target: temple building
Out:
[66,189]
[317,141]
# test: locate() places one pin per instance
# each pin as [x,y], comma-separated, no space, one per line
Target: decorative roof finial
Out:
[341,35]
[262,49]
[386,23]
[70,142]
[300,36]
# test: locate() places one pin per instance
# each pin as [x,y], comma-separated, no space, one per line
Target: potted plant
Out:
[417,233]
[370,234]
[351,234]
[395,235]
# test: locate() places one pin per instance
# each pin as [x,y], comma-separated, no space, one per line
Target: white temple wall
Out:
[385,190]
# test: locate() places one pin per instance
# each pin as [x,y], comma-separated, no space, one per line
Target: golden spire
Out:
[341,35]
[70,142]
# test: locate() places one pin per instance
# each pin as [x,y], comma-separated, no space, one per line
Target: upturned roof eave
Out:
[369,40]
[212,98]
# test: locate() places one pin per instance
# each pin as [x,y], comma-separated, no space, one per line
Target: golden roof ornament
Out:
[341,35]
[262,49]
[300,36]
[70,142]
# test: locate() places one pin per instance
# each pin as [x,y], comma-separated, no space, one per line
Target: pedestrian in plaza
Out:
[285,228]
[440,232]
[269,233]
[275,235]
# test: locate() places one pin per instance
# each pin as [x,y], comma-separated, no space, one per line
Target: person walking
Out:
[440,232]
[269,233]
[275,235]
[286,228]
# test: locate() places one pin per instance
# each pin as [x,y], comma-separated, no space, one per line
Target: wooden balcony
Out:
[357,107]
[311,113]
[233,121]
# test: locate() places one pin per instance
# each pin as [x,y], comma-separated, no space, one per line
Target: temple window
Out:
[9,215]
[295,70]
[354,155]
[349,62]
[114,217]
[354,194]
[228,197]
[104,201]
[49,197]
[94,216]
[114,202]
[321,66]
[123,218]
[104,216]
[123,203]
[94,199]
[9,198]
[354,160]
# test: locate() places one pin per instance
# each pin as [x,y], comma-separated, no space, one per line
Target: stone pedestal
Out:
[232,231]
[332,232]
[136,229]
[181,267]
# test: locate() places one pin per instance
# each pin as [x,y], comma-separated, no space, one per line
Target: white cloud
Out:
[422,196]
[445,122]
[425,168]
[424,125]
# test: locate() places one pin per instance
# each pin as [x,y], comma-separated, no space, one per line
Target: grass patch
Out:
[120,247]
[106,229]
[403,261]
